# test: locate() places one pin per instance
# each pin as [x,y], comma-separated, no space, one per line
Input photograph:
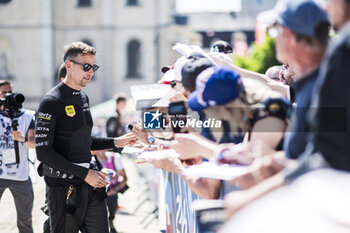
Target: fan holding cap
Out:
[221,93]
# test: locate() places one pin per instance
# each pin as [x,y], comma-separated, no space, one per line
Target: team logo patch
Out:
[274,108]
[70,110]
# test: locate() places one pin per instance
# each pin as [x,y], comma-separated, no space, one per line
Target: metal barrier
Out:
[172,199]
[178,198]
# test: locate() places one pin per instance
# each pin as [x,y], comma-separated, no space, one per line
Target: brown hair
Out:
[239,111]
[321,37]
[74,49]
[4,82]
[62,72]
[119,97]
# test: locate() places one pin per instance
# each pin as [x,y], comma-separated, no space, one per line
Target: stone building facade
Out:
[133,39]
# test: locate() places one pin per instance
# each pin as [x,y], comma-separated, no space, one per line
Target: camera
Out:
[177,108]
[178,113]
[12,101]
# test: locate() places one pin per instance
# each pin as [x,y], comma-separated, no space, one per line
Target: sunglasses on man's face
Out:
[87,66]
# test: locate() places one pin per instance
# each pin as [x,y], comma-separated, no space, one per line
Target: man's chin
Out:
[84,84]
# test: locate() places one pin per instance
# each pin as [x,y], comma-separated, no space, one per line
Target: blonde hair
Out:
[240,111]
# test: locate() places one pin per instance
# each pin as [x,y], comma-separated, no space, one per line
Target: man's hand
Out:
[125,140]
[169,164]
[234,201]
[191,146]
[192,161]
[96,179]
[140,134]
[18,136]
[261,169]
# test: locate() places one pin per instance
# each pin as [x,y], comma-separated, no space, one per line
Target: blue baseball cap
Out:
[215,86]
[300,16]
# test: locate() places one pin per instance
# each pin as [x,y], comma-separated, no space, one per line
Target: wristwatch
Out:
[151,140]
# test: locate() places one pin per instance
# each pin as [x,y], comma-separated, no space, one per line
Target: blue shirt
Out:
[296,137]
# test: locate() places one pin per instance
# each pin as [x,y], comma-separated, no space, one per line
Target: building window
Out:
[84,3]
[4,1]
[134,59]
[132,2]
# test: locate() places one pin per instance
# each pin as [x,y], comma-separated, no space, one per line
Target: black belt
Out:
[48,171]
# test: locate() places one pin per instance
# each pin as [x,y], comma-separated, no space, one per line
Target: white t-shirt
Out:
[8,166]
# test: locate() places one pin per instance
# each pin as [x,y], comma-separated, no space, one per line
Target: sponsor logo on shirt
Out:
[42,122]
[42,129]
[44,116]
[86,107]
[70,110]
[45,143]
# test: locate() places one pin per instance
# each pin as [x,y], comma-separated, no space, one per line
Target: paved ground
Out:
[129,216]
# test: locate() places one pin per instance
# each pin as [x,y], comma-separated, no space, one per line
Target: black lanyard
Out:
[3,123]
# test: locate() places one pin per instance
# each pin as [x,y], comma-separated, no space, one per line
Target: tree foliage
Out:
[260,57]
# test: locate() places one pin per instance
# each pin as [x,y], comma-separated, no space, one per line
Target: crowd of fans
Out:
[287,126]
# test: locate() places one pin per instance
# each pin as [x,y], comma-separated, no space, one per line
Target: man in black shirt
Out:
[75,188]
[114,125]
[330,121]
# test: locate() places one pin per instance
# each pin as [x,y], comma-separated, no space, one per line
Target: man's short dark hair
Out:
[62,72]
[119,97]
[4,82]
[322,35]
[74,49]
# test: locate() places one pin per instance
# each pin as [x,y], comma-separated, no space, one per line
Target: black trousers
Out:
[112,204]
[89,216]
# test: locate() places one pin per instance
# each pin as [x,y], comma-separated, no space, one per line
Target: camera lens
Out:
[19,98]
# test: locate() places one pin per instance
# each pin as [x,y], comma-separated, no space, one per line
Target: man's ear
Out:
[67,64]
